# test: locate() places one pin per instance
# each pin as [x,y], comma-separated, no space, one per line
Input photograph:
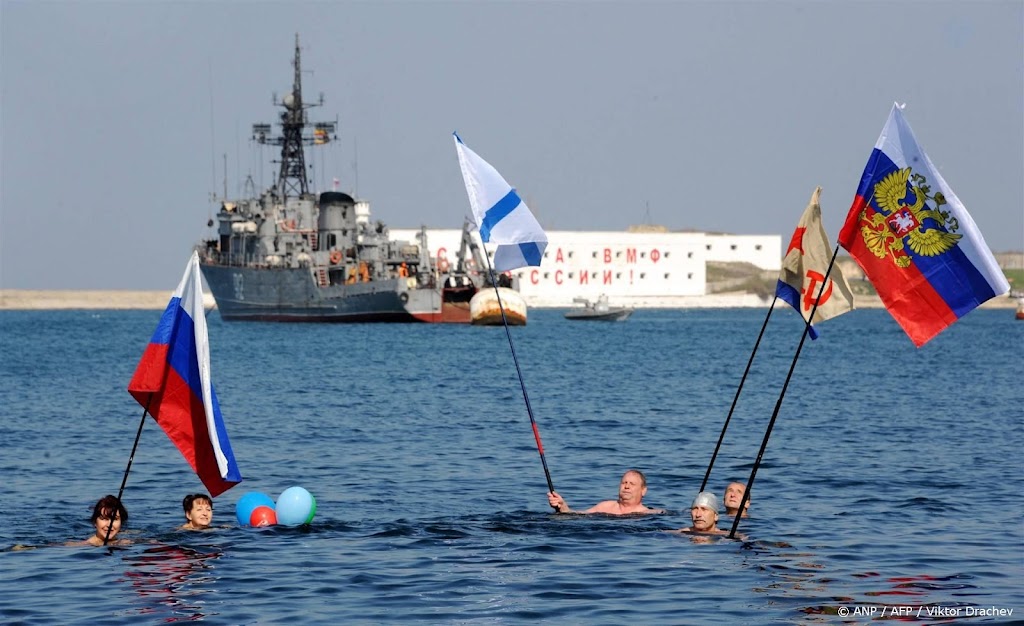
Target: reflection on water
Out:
[173,582]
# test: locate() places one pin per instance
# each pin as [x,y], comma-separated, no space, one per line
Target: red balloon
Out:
[263,516]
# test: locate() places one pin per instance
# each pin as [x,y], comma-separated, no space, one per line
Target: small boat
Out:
[598,311]
[1020,308]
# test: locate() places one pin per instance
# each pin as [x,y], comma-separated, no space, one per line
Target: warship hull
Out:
[291,295]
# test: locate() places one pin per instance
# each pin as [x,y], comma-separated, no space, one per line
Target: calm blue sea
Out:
[892,481]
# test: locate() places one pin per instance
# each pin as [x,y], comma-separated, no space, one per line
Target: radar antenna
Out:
[292,181]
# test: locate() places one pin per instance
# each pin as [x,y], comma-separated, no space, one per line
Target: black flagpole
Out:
[725,426]
[778,404]
[124,481]
[526,397]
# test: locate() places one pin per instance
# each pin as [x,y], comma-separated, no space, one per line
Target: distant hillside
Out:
[747,278]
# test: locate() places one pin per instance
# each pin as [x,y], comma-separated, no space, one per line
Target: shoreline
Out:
[32,300]
[41,300]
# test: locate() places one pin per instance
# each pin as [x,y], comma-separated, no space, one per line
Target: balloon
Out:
[312,511]
[248,503]
[262,516]
[295,506]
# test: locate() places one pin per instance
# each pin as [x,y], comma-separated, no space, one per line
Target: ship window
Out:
[593,274]
[332,240]
[643,255]
[571,274]
[545,255]
[707,247]
[570,254]
[689,276]
[618,275]
[667,253]
[593,255]
[732,247]
[545,275]
[757,247]
[642,276]
[618,254]
[689,255]
[666,275]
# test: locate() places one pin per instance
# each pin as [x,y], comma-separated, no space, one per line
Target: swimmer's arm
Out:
[558,503]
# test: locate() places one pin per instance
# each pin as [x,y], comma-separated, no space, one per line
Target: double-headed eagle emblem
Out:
[902,198]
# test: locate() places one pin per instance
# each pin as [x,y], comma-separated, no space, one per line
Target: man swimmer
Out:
[733,496]
[632,489]
[704,515]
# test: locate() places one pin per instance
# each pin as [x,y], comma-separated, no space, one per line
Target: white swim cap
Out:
[706,499]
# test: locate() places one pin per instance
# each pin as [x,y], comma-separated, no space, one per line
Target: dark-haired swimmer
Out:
[632,489]
[198,511]
[108,517]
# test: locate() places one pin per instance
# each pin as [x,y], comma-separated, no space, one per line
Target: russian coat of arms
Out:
[905,218]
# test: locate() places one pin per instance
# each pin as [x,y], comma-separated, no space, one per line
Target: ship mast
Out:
[292,180]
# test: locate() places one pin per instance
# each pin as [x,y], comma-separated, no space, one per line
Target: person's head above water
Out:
[109,507]
[632,487]
[198,511]
[108,516]
[704,513]
[733,496]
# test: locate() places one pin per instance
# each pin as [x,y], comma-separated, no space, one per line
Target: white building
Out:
[638,269]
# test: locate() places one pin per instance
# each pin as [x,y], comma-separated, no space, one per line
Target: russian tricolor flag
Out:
[173,383]
[915,240]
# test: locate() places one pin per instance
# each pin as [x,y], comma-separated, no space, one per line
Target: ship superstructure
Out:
[290,255]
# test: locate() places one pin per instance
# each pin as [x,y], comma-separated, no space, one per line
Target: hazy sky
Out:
[716,115]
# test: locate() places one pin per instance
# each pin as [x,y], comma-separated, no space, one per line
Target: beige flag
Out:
[803,270]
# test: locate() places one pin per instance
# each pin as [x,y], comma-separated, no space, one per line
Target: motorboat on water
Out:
[598,311]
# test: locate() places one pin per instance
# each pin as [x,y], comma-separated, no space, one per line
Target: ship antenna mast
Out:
[292,180]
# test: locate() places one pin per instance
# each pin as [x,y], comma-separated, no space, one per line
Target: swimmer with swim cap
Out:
[704,514]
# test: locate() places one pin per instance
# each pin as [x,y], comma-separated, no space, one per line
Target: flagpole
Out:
[131,457]
[778,404]
[725,426]
[522,384]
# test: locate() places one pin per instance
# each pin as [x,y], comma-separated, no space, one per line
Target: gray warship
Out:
[288,255]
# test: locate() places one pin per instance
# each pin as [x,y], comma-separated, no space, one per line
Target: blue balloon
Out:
[248,503]
[295,506]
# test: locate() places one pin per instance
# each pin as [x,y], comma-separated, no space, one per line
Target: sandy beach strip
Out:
[26,299]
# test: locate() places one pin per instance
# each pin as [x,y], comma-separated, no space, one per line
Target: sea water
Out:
[890,486]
